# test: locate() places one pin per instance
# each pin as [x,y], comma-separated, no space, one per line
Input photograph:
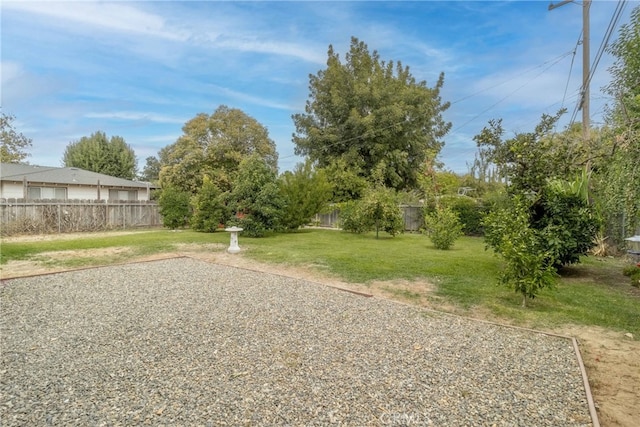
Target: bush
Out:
[174,207]
[209,208]
[256,198]
[443,227]
[352,219]
[470,211]
[566,223]
[633,273]
[306,191]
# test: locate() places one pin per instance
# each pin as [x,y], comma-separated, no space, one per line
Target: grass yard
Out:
[593,293]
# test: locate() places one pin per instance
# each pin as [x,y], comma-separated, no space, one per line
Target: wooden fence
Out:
[19,216]
[413,218]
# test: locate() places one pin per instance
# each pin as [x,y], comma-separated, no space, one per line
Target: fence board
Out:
[19,216]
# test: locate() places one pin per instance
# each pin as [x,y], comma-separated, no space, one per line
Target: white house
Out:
[29,182]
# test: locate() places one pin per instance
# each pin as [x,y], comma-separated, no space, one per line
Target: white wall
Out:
[10,190]
[85,193]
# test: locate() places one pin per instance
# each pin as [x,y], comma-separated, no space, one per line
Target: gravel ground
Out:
[185,342]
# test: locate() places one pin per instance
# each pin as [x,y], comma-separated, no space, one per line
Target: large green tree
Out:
[98,153]
[214,145]
[372,115]
[12,143]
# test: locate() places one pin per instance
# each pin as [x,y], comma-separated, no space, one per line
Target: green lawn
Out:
[593,293]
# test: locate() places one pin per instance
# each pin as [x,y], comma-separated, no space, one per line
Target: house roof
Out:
[70,176]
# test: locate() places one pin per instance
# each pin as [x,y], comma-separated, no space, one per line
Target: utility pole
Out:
[584,99]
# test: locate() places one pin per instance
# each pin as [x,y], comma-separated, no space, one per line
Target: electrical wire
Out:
[573,57]
[555,60]
[510,94]
[613,22]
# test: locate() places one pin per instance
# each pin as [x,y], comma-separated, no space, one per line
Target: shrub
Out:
[352,219]
[306,191]
[174,207]
[257,198]
[209,208]
[566,222]
[470,212]
[633,273]
[443,227]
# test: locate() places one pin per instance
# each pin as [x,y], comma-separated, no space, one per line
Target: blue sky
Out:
[141,69]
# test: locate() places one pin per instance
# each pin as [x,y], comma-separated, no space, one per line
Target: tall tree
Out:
[372,115]
[151,170]
[12,143]
[214,145]
[97,153]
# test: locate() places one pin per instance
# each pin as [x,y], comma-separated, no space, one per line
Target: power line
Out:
[573,57]
[556,59]
[613,22]
[508,95]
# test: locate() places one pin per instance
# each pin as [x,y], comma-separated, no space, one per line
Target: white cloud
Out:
[136,115]
[248,44]
[10,71]
[251,98]
[119,17]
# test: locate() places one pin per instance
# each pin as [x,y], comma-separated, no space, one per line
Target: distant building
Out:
[31,182]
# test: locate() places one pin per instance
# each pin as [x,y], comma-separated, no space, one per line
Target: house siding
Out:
[79,184]
[10,190]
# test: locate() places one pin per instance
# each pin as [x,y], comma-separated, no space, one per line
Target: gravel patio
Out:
[187,342]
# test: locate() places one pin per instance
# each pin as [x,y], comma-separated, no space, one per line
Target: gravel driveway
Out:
[186,342]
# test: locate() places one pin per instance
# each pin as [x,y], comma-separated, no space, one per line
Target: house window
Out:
[57,193]
[123,195]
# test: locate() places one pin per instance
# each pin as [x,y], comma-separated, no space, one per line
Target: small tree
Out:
[378,210]
[174,207]
[306,192]
[443,227]
[209,207]
[380,206]
[528,263]
[256,197]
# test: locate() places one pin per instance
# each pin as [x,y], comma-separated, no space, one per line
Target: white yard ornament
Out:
[233,246]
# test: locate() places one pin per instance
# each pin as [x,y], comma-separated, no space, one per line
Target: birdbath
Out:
[233,247]
[634,246]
